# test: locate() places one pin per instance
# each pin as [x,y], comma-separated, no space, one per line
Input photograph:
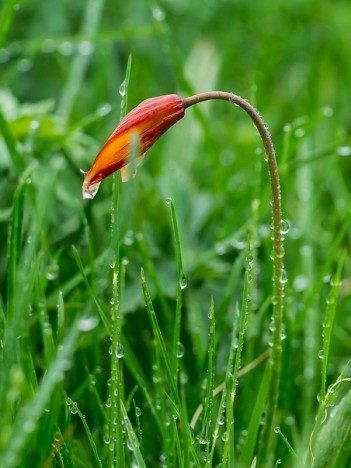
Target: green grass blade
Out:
[247,452]
[89,27]
[137,413]
[15,241]
[29,415]
[90,436]
[205,436]
[160,342]
[60,318]
[115,419]
[132,440]
[332,434]
[10,143]
[329,321]
[180,286]
[100,310]
[228,449]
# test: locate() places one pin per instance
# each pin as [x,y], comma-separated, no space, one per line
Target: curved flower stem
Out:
[278,254]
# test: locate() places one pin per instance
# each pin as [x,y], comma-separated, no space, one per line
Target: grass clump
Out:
[143,338]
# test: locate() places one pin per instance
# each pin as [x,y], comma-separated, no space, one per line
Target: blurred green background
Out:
[61,67]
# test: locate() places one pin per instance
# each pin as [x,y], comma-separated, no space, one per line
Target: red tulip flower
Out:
[148,121]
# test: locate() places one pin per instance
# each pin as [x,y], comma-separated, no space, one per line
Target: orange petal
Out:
[149,120]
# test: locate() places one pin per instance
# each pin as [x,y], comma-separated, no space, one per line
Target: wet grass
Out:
[135,329]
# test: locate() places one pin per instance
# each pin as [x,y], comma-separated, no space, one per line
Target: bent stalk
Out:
[278,254]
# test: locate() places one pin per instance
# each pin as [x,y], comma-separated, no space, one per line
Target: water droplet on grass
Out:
[321,354]
[137,411]
[52,272]
[85,48]
[300,283]
[225,437]
[344,151]
[284,226]
[300,132]
[122,89]
[104,109]
[283,277]
[66,48]
[119,352]
[183,282]
[34,125]
[88,324]
[180,350]
[221,419]
[157,13]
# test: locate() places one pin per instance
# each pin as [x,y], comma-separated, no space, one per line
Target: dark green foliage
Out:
[61,67]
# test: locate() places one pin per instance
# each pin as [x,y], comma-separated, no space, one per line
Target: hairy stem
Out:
[278,254]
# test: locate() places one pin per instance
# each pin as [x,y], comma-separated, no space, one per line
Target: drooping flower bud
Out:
[148,121]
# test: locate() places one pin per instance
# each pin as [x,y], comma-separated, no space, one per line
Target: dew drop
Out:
[279,251]
[183,378]
[137,411]
[284,226]
[91,191]
[300,132]
[119,351]
[157,13]
[321,354]
[221,419]
[108,403]
[88,324]
[225,437]
[74,408]
[69,401]
[344,151]
[85,48]
[300,283]
[122,88]
[130,445]
[283,277]
[104,109]
[180,350]
[66,48]
[203,441]
[107,439]
[277,429]
[327,111]
[183,282]
[34,125]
